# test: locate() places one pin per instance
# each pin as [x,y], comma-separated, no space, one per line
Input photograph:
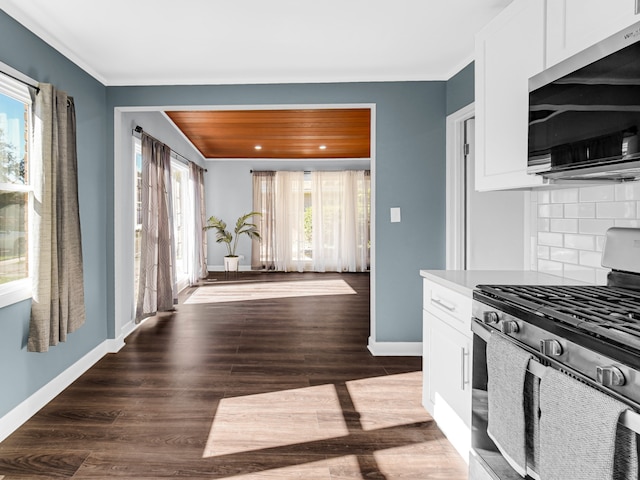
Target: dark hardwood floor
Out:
[270,380]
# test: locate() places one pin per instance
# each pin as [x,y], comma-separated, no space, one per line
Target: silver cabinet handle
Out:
[443,304]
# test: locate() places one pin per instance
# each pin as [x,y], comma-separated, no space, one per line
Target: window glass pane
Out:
[13,236]
[13,140]
[14,188]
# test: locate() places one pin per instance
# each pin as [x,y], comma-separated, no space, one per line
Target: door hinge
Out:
[466,148]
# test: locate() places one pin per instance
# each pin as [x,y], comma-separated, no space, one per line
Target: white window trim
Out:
[14,292]
[18,290]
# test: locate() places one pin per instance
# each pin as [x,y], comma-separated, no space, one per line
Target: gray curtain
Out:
[58,282]
[199,268]
[157,290]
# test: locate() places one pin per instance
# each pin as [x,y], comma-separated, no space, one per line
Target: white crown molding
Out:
[17,14]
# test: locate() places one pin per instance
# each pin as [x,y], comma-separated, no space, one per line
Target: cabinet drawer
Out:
[448,305]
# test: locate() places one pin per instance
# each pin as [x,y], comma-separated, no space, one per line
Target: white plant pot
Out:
[231,264]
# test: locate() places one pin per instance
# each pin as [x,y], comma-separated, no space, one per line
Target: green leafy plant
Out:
[243,226]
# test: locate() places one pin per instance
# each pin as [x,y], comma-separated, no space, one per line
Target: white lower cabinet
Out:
[447,342]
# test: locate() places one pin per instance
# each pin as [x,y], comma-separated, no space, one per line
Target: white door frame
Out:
[455,206]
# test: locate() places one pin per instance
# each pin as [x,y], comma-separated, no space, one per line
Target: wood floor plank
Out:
[263,389]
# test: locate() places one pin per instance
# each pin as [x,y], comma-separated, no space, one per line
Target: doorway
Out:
[124,119]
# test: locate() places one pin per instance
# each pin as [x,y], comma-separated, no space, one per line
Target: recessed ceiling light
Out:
[322,147]
[258,147]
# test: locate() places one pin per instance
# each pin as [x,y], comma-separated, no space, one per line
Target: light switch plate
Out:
[395,214]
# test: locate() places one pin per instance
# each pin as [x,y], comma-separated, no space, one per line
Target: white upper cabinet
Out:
[508,51]
[573,25]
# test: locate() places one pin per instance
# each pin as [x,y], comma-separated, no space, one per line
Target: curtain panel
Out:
[340,204]
[338,237]
[289,222]
[157,288]
[57,307]
[279,197]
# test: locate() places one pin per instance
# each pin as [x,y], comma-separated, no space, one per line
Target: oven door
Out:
[485,462]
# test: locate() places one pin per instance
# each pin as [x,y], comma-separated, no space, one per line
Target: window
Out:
[15,135]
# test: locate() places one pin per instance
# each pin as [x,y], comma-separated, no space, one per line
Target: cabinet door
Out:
[448,381]
[508,51]
[573,25]
[449,377]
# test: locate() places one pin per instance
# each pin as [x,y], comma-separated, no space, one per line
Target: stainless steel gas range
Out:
[525,416]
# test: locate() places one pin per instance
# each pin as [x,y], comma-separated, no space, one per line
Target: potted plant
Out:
[243,225]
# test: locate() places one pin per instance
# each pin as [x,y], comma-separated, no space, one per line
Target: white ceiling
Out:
[163,42]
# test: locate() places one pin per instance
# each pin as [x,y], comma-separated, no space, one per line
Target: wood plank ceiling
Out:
[287,134]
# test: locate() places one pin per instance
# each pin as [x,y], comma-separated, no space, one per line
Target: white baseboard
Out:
[395,349]
[29,407]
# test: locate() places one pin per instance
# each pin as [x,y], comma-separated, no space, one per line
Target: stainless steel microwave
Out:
[584,113]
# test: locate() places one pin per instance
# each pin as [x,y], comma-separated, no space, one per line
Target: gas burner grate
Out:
[603,311]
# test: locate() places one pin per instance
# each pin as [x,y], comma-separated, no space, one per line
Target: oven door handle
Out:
[480,329]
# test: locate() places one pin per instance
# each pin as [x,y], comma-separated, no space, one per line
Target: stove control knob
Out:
[550,347]
[610,376]
[490,317]
[509,326]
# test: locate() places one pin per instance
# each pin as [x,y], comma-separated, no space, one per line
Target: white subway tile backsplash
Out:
[564,255]
[580,242]
[594,226]
[627,191]
[548,266]
[544,196]
[569,227]
[582,274]
[580,210]
[627,223]
[543,252]
[601,276]
[550,210]
[564,225]
[600,193]
[621,210]
[567,195]
[550,239]
[544,224]
[591,259]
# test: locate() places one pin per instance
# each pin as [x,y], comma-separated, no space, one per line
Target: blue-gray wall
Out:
[22,373]
[410,173]
[460,89]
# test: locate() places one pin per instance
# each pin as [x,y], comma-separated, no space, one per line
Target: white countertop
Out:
[464,281]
